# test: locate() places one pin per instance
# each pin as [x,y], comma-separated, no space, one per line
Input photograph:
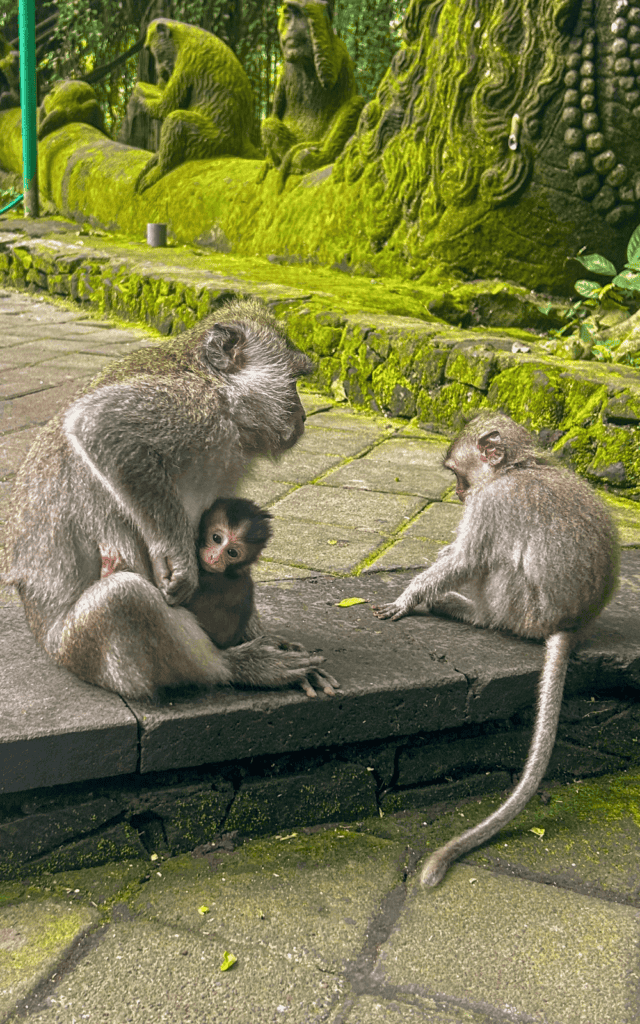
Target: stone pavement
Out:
[327,922]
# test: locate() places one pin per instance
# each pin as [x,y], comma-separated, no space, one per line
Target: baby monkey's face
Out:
[226,549]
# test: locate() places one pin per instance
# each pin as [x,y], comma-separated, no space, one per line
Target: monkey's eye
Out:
[232,553]
[216,538]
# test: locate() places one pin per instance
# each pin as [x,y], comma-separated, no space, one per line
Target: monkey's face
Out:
[469,467]
[225,549]
[162,45]
[293,30]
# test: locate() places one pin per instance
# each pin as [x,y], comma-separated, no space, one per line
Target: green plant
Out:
[618,293]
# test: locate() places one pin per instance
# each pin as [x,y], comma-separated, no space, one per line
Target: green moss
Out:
[604,453]
[531,393]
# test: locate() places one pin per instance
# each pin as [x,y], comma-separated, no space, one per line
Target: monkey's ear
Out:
[491,448]
[223,348]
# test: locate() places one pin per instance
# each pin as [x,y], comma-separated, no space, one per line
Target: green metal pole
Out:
[27,35]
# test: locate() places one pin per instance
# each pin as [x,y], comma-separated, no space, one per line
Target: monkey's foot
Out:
[321,680]
[318,677]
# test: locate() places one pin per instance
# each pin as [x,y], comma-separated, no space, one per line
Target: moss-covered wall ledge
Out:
[398,365]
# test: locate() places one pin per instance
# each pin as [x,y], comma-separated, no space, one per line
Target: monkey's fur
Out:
[203,98]
[233,532]
[315,106]
[536,553]
[130,467]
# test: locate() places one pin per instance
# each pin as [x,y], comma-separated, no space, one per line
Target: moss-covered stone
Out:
[334,793]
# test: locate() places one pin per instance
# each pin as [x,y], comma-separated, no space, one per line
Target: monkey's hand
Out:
[395,609]
[175,578]
[266,665]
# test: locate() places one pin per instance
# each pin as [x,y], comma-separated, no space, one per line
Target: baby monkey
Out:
[536,553]
[233,532]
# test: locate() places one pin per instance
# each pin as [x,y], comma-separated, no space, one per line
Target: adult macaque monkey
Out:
[536,553]
[233,533]
[129,468]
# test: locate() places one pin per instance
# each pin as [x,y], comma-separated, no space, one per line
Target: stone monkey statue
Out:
[315,106]
[67,102]
[129,467]
[536,553]
[203,98]
[233,533]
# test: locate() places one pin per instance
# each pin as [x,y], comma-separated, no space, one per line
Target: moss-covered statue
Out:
[9,75]
[203,98]
[506,136]
[67,102]
[315,107]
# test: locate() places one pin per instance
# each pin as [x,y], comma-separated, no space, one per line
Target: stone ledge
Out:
[422,674]
[431,712]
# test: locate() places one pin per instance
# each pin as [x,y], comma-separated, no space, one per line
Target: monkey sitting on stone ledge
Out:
[536,553]
[129,468]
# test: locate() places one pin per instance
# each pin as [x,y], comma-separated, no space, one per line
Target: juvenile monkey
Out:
[536,553]
[233,533]
[126,472]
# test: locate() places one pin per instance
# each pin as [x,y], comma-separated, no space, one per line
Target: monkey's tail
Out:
[550,687]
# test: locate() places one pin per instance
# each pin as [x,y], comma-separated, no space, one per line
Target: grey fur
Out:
[536,553]
[129,468]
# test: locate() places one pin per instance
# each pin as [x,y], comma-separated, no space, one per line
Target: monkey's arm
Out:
[307,156]
[176,95]
[114,434]
[448,571]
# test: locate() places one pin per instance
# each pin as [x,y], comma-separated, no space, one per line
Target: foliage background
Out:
[91,33]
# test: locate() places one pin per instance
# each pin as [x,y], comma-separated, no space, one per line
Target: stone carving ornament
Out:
[504,137]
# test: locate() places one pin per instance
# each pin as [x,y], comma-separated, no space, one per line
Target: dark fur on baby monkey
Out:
[233,533]
[536,553]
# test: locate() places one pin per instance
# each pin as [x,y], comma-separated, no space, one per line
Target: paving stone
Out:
[344,418]
[24,380]
[553,955]
[297,466]
[590,840]
[34,938]
[263,490]
[144,973]
[406,553]
[36,408]
[323,441]
[380,1010]
[418,546]
[438,522]
[344,508]
[390,476]
[326,548]
[343,874]
[42,741]
[266,572]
